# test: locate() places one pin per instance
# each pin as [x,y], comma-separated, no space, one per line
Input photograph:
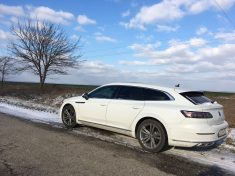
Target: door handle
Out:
[136,107]
[102,104]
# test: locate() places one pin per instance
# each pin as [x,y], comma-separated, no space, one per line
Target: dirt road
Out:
[32,149]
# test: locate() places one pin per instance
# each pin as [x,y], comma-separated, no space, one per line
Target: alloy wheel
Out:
[150,136]
[69,116]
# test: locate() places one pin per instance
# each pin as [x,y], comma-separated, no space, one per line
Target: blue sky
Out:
[191,42]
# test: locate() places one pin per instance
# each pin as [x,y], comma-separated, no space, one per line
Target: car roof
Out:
[162,88]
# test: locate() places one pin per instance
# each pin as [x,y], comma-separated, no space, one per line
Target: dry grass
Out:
[52,91]
[31,91]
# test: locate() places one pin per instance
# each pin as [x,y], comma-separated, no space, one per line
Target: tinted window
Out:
[130,93]
[154,95]
[196,97]
[104,92]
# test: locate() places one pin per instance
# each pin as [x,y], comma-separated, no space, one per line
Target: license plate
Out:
[222,132]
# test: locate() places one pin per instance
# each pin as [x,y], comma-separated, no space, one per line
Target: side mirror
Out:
[86,96]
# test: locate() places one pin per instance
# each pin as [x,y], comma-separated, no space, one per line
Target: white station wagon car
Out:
[156,116]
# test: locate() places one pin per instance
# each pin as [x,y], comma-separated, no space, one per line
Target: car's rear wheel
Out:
[69,116]
[151,135]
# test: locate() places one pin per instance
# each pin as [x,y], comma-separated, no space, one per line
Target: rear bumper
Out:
[197,135]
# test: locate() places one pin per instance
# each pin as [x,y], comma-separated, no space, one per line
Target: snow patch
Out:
[30,114]
[217,156]
[232,134]
[29,104]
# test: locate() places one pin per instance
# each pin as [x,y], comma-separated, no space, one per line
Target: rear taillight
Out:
[197,114]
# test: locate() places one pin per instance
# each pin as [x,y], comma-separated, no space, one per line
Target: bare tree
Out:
[7,67]
[43,48]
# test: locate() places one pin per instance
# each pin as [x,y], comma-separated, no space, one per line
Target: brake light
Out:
[197,114]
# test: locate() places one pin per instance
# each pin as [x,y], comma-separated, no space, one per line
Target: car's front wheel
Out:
[69,116]
[151,135]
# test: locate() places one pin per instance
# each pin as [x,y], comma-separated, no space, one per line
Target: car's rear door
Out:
[126,105]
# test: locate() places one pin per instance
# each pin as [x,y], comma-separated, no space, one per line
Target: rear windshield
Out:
[196,97]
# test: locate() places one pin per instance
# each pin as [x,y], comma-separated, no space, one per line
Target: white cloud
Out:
[11,10]
[195,68]
[5,35]
[135,62]
[80,29]
[128,25]
[183,61]
[144,38]
[103,38]
[187,60]
[75,37]
[199,6]
[46,13]
[226,36]
[84,20]
[202,5]
[218,54]
[96,66]
[202,30]
[189,52]
[165,28]
[101,28]
[204,71]
[164,10]
[14,19]
[192,42]
[41,13]
[126,13]
[146,47]
[169,10]
[197,42]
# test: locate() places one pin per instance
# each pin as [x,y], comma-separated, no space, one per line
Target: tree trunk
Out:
[3,74]
[2,81]
[41,83]
[42,80]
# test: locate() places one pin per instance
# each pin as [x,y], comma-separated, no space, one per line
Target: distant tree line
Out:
[40,47]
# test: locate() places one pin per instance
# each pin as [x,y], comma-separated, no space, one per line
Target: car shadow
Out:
[213,171]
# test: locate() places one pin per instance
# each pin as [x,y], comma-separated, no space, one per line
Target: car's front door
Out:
[94,108]
[123,109]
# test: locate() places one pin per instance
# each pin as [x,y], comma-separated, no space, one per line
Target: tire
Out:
[152,136]
[69,116]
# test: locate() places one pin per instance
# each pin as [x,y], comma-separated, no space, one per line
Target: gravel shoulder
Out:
[34,149]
